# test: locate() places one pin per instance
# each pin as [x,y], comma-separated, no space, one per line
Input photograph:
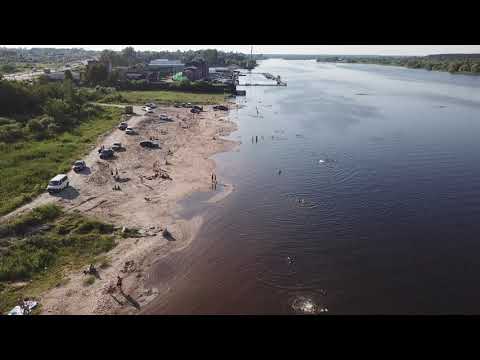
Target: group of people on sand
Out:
[116,178]
[92,270]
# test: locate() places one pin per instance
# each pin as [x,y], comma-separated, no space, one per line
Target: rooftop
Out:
[165,62]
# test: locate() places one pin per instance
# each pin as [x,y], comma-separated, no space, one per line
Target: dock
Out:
[269,77]
[278,84]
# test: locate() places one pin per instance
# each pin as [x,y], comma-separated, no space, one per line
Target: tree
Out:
[211,56]
[113,77]
[464,68]
[475,68]
[8,68]
[129,56]
[68,75]
[97,74]
[453,67]
[108,56]
[60,111]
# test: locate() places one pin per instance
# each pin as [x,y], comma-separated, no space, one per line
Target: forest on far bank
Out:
[453,63]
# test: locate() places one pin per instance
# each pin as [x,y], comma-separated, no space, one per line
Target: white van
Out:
[58,183]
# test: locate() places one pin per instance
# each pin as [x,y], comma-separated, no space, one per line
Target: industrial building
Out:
[196,70]
[165,66]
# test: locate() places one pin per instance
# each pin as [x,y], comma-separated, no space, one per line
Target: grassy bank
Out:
[38,248]
[27,166]
[162,97]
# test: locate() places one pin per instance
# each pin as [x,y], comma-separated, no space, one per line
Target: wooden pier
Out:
[269,77]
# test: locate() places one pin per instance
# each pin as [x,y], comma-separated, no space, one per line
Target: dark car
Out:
[106,154]
[79,165]
[123,126]
[198,107]
[195,111]
[220,107]
[117,146]
[149,144]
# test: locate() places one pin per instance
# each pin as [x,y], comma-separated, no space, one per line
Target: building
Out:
[196,70]
[165,66]
[60,76]
[135,76]
[92,62]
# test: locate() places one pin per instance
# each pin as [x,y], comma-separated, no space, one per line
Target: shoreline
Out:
[147,203]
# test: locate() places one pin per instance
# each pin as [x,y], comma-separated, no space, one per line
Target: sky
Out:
[291,49]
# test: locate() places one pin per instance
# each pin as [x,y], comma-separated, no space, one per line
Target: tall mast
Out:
[251,54]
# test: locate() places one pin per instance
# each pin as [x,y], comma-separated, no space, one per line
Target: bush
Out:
[94,226]
[127,233]
[114,98]
[11,133]
[73,237]
[89,280]
[22,224]
[8,68]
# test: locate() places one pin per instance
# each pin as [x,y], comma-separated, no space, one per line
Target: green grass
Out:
[42,258]
[27,166]
[163,97]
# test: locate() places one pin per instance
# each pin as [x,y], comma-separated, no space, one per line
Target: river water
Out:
[375,209]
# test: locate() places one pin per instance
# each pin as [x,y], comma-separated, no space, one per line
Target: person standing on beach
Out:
[119,283]
[256,139]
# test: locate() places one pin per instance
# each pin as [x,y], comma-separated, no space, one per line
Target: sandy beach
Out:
[145,202]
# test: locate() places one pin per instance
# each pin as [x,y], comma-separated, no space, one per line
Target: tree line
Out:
[213,57]
[42,109]
[452,64]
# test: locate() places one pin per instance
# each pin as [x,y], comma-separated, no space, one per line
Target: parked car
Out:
[130,131]
[58,183]
[164,117]
[198,107]
[123,126]
[79,165]
[146,108]
[117,146]
[149,144]
[178,105]
[106,154]
[150,112]
[195,111]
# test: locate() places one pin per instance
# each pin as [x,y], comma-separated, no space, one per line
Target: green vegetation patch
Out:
[38,248]
[163,97]
[27,166]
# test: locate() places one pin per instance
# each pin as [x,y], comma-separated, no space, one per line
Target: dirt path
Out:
[145,201]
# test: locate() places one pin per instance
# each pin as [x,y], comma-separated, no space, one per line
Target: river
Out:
[361,196]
